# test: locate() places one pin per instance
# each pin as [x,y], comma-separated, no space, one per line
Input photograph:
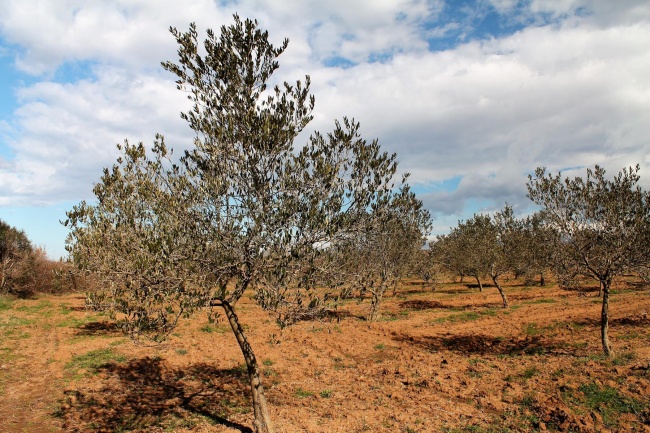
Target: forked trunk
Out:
[600,289]
[604,319]
[374,304]
[262,421]
[480,285]
[501,292]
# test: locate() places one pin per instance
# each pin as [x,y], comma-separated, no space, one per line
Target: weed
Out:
[529,372]
[302,393]
[609,402]
[268,362]
[532,329]
[209,329]
[380,346]
[326,393]
[181,351]
[5,303]
[541,301]
[624,358]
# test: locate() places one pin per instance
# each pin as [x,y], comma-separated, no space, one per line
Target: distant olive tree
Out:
[537,240]
[243,210]
[385,250]
[483,246]
[603,226]
[15,249]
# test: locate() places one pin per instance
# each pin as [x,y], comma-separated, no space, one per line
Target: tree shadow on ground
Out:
[481,344]
[148,394]
[97,329]
[419,304]
[634,321]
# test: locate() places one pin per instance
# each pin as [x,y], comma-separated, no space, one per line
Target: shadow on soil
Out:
[98,328]
[146,393]
[480,344]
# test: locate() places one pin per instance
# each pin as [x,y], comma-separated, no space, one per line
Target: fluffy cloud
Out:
[569,90]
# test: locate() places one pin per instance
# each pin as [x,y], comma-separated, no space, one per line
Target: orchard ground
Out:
[449,360]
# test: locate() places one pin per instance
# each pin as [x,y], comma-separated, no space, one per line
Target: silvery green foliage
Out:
[603,226]
[244,208]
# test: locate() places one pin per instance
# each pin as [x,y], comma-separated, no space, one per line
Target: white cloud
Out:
[572,93]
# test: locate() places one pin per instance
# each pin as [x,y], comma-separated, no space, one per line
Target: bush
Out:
[25,270]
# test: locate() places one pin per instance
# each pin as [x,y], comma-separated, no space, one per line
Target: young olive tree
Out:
[603,226]
[474,243]
[243,210]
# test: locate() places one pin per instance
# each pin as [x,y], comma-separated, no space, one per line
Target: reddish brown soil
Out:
[449,360]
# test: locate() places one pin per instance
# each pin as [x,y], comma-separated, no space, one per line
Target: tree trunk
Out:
[374,304]
[262,421]
[600,289]
[478,280]
[604,318]
[501,292]
[542,281]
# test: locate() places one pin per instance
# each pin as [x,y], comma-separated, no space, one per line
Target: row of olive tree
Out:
[244,209]
[491,246]
[595,227]
[602,228]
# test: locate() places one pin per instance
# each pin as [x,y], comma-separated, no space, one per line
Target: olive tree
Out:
[15,248]
[242,210]
[603,226]
[385,250]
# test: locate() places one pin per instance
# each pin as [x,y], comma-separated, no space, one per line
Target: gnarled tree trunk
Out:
[501,292]
[480,285]
[604,318]
[262,421]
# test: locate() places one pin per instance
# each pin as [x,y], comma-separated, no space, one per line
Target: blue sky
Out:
[472,95]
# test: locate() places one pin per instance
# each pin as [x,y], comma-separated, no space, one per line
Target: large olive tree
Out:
[603,226]
[243,210]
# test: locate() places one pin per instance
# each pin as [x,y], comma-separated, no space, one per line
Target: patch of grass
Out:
[77,322]
[6,303]
[390,317]
[467,316]
[13,321]
[529,372]
[607,401]
[302,393]
[209,329]
[268,362]
[532,329]
[31,309]
[94,359]
[380,346]
[541,301]
[326,393]
[624,358]
[181,351]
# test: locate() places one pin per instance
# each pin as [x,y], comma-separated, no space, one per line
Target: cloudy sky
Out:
[472,95]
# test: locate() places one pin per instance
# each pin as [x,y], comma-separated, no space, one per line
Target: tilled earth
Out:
[448,360]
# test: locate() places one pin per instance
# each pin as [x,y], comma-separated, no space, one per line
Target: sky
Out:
[472,95]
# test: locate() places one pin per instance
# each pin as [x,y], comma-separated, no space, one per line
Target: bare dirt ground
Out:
[449,360]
